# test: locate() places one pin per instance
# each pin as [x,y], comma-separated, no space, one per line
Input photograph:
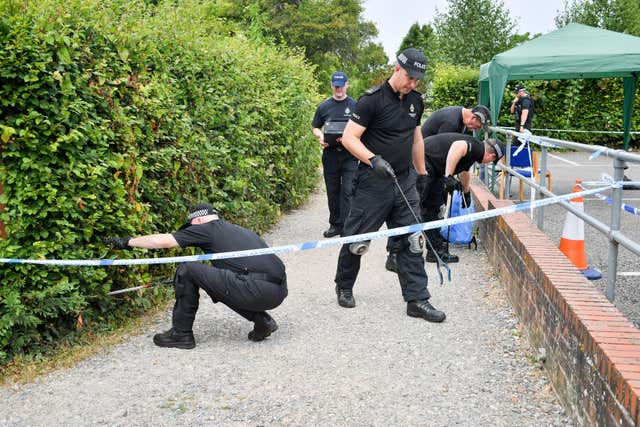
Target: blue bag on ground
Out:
[459,233]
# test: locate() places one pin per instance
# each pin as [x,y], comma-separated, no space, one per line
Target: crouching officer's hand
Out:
[451,184]
[381,167]
[466,199]
[119,242]
[421,184]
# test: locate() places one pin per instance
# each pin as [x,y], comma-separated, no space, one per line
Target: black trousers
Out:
[375,201]
[433,197]
[339,168]
[243,293]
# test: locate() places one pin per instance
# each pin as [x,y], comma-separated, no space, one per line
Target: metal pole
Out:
[542,180]
[507,177]
[616,204]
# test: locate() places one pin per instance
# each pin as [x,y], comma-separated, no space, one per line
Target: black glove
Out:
[381,167]
[421,185]
[119,242]
[466,199]
[451,184]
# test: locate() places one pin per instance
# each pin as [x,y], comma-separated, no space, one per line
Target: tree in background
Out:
[422,37]
[331,33]
[622,16]
[470,32]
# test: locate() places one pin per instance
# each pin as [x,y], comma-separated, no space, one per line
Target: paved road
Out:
[371,365]
[565,168]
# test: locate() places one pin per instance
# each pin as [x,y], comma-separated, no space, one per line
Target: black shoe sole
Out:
[346,305]
[182,346]
[425,317]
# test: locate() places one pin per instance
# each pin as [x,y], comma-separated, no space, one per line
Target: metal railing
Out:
[612,232]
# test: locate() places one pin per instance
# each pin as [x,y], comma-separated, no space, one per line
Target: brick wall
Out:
[592,350]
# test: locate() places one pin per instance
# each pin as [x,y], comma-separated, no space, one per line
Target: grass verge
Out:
[25,368]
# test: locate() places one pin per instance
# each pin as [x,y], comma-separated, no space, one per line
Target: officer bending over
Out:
[247,285]
[384,134]
[449,154]
[448,119]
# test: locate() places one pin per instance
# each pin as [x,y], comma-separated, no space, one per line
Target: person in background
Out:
[522,108]
[338,164]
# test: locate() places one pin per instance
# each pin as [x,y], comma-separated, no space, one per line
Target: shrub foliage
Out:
[114,116]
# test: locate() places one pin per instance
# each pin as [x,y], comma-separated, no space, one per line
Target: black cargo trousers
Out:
[246,294]
[375,201]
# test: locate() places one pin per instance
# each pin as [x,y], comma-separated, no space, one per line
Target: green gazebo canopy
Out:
[572,52]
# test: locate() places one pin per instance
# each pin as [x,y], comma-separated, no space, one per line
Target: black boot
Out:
[445,256]
[345,297]
[173,338]
[263,326]
[333,230]
[423,308]
[391,263]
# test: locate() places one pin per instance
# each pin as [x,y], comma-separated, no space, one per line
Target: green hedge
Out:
[585,104]
[116,116]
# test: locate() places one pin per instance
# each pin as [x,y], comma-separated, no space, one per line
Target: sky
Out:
[393,18]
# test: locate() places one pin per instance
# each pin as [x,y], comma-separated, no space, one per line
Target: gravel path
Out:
[371,365]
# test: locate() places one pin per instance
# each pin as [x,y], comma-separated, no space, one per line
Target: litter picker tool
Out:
[424,235]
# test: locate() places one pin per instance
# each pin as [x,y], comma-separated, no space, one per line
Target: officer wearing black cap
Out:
[522,109]
[384,134]
[448,154]
[248,285]
[338,164]
[449,119]
[456,119]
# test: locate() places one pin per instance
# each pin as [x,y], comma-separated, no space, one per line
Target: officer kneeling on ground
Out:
[447,154]
[247,285]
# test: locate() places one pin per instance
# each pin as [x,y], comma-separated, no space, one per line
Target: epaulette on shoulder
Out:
[372,90]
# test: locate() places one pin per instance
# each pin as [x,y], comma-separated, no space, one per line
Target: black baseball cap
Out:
[519,88]
[414,62]
[483,114]
[198,210]
[499,147]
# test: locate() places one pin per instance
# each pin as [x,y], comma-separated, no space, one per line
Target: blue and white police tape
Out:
[623,206]
[313,245]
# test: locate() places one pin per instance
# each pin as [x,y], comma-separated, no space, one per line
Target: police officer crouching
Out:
[384,134]
[247,285]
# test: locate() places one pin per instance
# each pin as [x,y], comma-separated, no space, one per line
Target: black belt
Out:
[267,277]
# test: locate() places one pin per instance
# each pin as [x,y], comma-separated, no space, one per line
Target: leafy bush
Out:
[116,116]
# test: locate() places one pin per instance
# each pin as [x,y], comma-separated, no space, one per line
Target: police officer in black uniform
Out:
[338,164]
[384,134]
[522,109]
[449,119]
[456,119]
[247,285]
[446,155]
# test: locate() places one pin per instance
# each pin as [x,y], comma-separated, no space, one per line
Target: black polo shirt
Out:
[524,103]
[436,148]
[390,123]
[221,236]
[331,110]
[448,119]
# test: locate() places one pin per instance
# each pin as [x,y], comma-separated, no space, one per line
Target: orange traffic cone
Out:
[572,241]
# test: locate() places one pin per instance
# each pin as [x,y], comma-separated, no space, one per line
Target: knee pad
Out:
[416,242]
[359,248]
